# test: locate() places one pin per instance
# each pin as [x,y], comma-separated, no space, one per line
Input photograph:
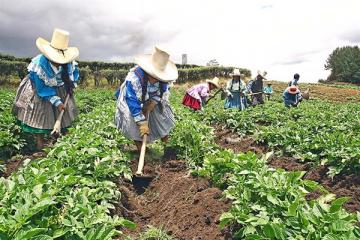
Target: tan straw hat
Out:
[57,50]
[214,81]
[158,65]
[262,74]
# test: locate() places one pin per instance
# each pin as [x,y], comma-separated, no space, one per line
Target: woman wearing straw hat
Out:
[41,95]
[235,90]
[255,88]
[195,97]
[143,106]
[292,96]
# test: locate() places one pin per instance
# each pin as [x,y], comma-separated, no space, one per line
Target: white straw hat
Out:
[158,65]
[262,74]
[57,50]
[214,81]
[236,72]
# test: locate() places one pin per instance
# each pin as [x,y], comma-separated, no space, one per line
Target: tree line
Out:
[113,73]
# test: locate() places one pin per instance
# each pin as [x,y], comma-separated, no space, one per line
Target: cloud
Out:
[268,6]
[102,32]
[279,36]
[352,37]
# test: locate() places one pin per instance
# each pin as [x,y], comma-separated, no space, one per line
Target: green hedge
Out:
[114,73]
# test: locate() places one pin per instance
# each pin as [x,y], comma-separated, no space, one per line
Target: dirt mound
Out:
[16,162]
[342,185]
[186,207]
[225,138]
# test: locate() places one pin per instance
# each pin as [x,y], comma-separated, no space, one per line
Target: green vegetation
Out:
[113,73]
[69,194]
[344,63]
[319,132]
[266,203]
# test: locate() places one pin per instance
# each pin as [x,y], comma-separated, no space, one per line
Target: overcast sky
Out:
[279,36]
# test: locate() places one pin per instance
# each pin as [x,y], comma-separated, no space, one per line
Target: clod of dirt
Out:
[226,139]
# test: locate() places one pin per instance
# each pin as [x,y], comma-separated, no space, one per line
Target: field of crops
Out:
[81,188]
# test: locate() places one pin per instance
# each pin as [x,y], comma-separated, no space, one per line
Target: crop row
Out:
[69,194]
[319,132]
[266,203]
[13,141]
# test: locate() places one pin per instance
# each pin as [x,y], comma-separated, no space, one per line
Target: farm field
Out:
[265,173]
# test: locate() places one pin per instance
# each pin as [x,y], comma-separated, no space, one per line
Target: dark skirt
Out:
[37,115]
[191,102]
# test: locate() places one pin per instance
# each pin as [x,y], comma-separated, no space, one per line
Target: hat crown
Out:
[236,72]
[60,39]
[160,59]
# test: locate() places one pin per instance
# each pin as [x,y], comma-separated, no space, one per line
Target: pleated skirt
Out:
[37,115]
[191,102]
[161,121]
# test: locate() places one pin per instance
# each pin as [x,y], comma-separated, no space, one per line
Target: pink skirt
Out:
[191,102]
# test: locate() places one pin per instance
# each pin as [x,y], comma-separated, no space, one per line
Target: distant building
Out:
[184,59]
[213,63]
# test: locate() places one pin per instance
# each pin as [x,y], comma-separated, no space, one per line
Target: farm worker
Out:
[143,105]
[236,90]
[41,95]
[255,88]
[295,81]
[292,96]
[268,90]
[197,95]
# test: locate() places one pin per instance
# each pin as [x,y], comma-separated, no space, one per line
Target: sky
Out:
[282,37]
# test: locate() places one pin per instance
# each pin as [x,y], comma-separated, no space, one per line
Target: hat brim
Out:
[54,55]
[212,82]
[169,74]
[294,92]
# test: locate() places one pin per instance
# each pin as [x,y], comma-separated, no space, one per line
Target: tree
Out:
[344,64]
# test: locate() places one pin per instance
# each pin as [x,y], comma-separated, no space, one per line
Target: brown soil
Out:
[16,162]
[186,207]
[342,185]
[223,138]
[331,92]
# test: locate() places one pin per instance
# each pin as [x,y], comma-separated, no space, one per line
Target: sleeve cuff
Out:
[139,118]
[156,99]
[55,100]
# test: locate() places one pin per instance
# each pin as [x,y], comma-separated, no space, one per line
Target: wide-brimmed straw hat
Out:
[236,72]
[158,65]
[58,50]
[293,89]
[214,81]
[262,74]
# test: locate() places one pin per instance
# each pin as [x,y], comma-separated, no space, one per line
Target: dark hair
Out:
[69,85]
[296,76]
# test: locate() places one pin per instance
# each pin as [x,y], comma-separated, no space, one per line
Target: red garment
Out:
[191,102]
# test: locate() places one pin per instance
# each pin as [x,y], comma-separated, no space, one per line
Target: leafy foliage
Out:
[317,132]
[69,194]
[344,63]
[266,203]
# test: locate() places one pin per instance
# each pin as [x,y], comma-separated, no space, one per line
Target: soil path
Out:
[186,207]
